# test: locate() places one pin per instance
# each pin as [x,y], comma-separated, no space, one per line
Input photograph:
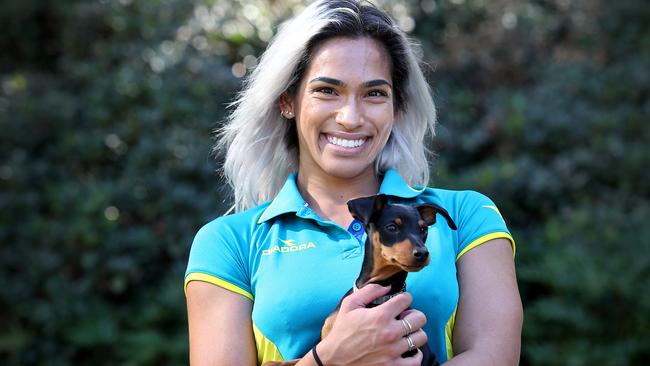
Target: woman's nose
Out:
[350,115]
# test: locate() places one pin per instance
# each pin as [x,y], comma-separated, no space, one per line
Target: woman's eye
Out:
[326,90]
[377,93]
[391,228]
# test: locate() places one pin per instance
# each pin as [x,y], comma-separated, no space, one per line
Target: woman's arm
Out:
[220,326]
[489,318]
[221,333]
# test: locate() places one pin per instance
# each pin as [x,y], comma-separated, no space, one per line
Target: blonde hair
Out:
[258,142]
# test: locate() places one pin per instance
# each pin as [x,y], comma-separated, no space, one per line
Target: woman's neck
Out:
[328,195]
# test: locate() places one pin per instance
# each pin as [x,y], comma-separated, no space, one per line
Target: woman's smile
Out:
[346,144]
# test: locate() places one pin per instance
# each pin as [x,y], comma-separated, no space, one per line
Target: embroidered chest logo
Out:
[289,246]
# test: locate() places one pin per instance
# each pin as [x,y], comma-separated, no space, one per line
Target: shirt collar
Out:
[287,200]
[290,200]
[394,185]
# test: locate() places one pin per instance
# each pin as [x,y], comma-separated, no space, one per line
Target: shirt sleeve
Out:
[479,221]
[217,256]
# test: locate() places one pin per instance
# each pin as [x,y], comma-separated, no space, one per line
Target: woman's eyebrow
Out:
[367,84]
[371,83]
[327,80]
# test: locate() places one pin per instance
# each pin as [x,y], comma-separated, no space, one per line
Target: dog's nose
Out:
[421,254]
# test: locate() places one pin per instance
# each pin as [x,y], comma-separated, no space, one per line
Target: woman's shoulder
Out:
[454,199]
[221,251]
[463,205]
[477,217]
[235,223]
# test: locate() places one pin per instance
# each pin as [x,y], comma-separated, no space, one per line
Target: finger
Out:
[418,339]
[397,304]
[413,321]
[406,312]
[363,297]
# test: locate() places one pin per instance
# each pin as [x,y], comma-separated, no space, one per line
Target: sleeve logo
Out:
[495,210]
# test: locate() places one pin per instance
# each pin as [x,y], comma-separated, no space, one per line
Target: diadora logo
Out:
[289,246]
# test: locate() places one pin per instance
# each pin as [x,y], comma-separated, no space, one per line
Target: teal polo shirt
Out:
[295,266]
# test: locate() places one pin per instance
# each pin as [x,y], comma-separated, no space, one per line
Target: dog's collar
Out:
[383,299]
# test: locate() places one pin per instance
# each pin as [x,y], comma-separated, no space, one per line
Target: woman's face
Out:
[343,108]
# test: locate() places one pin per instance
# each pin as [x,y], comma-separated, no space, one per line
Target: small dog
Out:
[395,245]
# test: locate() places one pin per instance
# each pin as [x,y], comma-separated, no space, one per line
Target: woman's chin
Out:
[348,169]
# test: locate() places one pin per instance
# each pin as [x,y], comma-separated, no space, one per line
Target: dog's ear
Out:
[428,213]
[363,208]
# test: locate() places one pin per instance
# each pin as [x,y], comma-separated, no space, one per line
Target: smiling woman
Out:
[257,170]
[338,109]
[344,109]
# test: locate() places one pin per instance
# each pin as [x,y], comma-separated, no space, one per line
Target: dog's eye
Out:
[424,230]
[391,228]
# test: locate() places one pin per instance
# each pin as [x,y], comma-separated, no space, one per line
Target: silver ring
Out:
[410,343]
[407,327]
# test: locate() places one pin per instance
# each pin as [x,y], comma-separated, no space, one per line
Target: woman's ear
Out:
[286,106]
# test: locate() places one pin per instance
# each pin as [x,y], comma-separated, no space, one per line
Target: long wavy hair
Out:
[261,146]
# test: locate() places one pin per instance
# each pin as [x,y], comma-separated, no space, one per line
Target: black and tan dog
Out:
[395,245]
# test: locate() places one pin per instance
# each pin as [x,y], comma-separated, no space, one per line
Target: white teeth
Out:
[345,143]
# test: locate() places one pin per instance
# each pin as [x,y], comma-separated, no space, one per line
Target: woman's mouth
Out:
[350,144]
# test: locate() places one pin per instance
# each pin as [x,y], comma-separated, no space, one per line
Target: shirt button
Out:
[356,226]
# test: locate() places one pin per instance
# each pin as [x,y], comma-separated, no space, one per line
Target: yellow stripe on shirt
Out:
[485,238]
[204,277]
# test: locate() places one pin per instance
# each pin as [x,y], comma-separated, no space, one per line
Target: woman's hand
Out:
[362,336]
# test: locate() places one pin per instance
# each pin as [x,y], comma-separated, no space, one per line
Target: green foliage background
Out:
[106,113]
